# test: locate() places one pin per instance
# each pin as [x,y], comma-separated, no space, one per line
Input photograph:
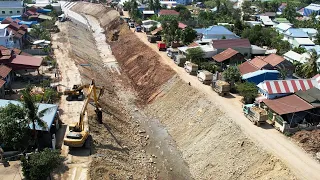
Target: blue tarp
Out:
[17,17]
[48,116]
[44,11]
[28,23]
[312,8]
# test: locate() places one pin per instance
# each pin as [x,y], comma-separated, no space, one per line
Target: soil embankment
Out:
[211,143]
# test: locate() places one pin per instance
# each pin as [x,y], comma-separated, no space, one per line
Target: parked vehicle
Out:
[162,46]
[138,28]
[171,52]
[221,87]
[191,68]
[179,59]
[131,24]
[175,44]
[255,114]
[204,76]
[152,39]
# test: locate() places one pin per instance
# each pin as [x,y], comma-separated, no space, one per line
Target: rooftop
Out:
[258,72]
[258,62]
[311,96]
[216,30]
[304,41]
[11,4]
[283,26]
[30,61]
[314,7]
[291,55]
[246,67]
[48,116]
[168,12]
[296,32]
[287,104]
[224,55]
[4,71]
[231,43]
[273,59]
[287,86]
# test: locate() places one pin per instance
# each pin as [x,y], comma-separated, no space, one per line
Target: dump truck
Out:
[180,59]
[205,76]
[152,39]
[255,114]
[171,52]
[221,87]
[191,68]
[162,46]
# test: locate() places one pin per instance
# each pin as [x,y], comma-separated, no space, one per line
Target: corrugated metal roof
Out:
[258,62]
[27,61]
[231,43]
[246,67]
[273,59]
[168,12]
[257,73]
[283,26]
[311,96]
[304,41]
[287,104]
[224,55]
[4,71]
[287,86]
[296,32]
[291,55]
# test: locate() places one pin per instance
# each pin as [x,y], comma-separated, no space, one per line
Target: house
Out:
[168,12]
[311,32]
[278,88]
[293,56]
[5,79]
[257,51]
[288,111]
[50,119]
[169,4]
[266,21]
[147,14]
[270,15]
[253,23]
[312,9]
[312,96]
[19,62]
[281,20]
[18,31]
[216,32]
[302,42]
[292,33]
[11,8]
[259,76]
[208,50]
[229,57]
[148,24]
[278,62]
[6,36]
[282,27]
[243,46]
[247,67]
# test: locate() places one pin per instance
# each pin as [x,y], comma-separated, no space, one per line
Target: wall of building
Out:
[270,96]
[7,11]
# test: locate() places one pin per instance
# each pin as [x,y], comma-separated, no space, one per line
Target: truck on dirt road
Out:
[180,60]
[191,68]
[255,114]
[221,87]
[162,46]
[205,76]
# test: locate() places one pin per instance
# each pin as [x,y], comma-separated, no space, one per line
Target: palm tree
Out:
[310,68]
[283,72]
[32,115]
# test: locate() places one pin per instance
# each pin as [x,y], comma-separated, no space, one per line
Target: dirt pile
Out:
[116,153]
[211,143]
[309,140]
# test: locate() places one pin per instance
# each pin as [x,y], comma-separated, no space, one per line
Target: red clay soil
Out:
[309,140]
[141,64]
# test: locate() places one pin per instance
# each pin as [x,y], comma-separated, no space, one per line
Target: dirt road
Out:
[302,164]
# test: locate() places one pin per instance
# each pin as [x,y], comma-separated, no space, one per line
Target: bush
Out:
[248,90]
[211,67]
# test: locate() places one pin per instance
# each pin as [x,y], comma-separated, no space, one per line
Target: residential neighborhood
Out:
[163,78]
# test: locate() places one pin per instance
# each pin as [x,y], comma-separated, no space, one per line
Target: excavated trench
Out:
[158,125]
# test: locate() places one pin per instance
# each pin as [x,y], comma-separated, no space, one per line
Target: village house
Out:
[216,33]
[259,76]
[243,46]
[292,33]
[11,8]
[6,36]
[229,57]
[18,31]
[168,12]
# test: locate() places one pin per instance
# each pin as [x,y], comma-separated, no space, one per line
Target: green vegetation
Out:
[195,55]
[310,68]
[248,91]
[132,7]
[188,35]
[38,166]
[299,50]
[40,33]
[14,129]
[231,74]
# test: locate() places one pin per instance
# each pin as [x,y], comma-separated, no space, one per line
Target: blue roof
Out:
[215,30]
[257,73]
[309,30]
[48,117]
[296,32]
[316,47]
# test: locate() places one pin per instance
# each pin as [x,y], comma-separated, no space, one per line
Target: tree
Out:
[180,8]
[290,12]
[157,5]
[14,130]
[195,55]
[188,35]
[185,14]
[310,68]
[317,41]
[299,50]
[169,30]
[38,32]
[247,10]
[283,72]
[231,74]
[31,109]
[38,166]
[151,5]
[248,91]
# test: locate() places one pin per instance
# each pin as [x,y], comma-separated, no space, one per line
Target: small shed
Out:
[260,76]
[229,57]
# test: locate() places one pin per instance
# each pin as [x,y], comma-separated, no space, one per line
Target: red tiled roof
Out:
[4,71]
[224,55]
[287,86]
[23,26]
[14,26]
[274,59]
[259,63]
[287,104]
[16,51]
[246,67]
[2,82]
[168,12]
[7,20]
[27,61]
[231,43]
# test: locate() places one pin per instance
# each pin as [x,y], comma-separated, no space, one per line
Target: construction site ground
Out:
[155,125]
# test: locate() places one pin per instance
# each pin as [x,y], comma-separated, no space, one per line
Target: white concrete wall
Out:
[7,11]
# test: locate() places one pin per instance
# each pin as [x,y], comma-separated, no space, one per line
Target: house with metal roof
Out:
[266,21]
[278,88]
[168,12]
[312,8]
[282,27]
[312,96]
[288,111]
[292,33]
[216,33]
[257,51]
[259,76]
[208,50]
[311,32]
[243,46]
[302,42]
[247,67]
[11,8]
[281,20]
[6,36]
[293,56]
[18,31]
[229,57]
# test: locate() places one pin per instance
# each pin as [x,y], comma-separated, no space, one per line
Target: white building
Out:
[6,37]
[11,8]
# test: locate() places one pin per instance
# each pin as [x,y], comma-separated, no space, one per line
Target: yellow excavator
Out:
[78,134]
